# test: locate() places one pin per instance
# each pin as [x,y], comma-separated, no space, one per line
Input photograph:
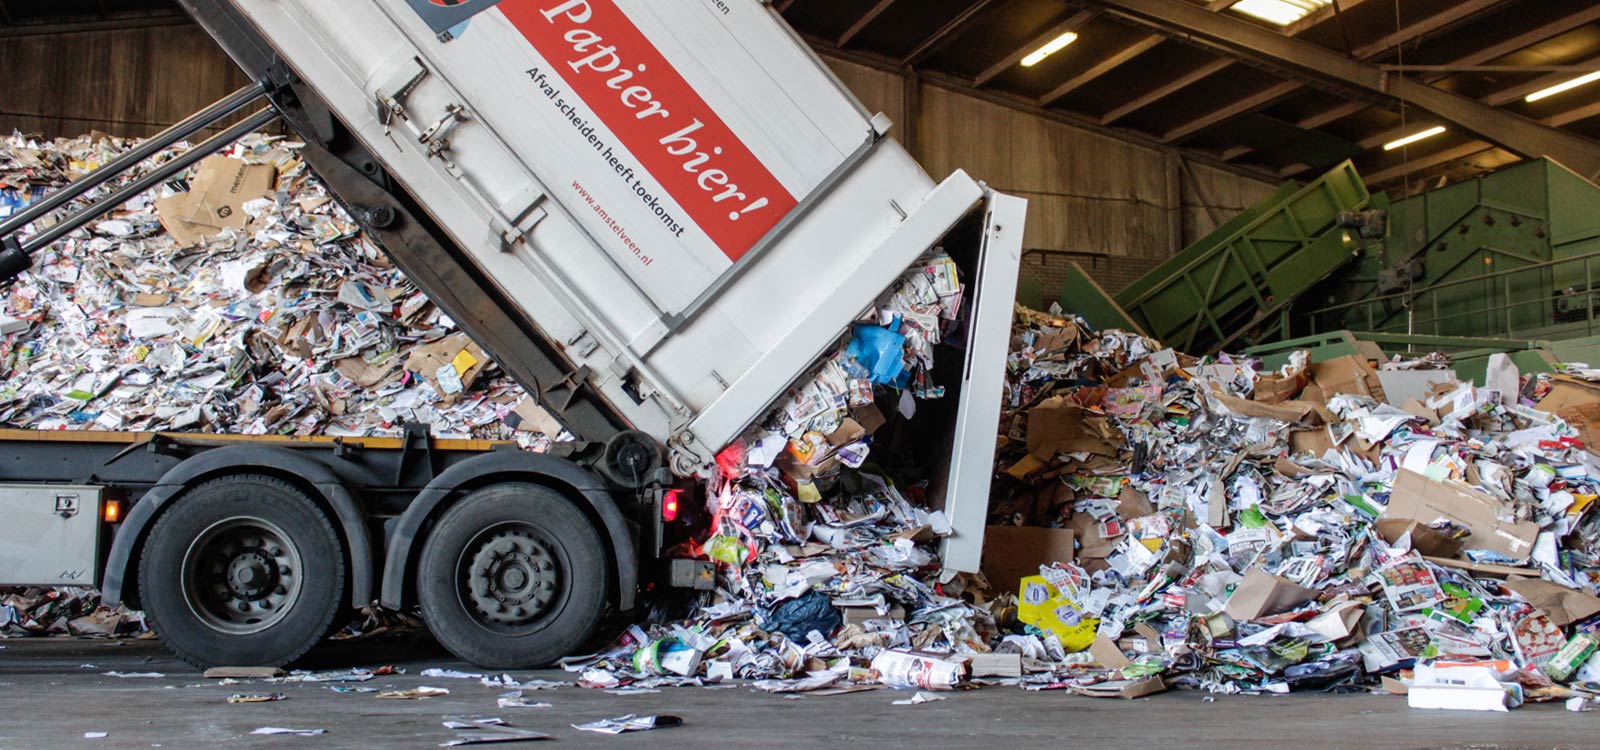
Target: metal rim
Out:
[509,577]
[242,575]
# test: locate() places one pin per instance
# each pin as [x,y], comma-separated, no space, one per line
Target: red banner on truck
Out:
[673,133]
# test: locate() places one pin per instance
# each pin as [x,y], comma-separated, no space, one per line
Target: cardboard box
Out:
[1012,553]
[1348,374]
[995,665]
[1276,387]
[1416,497]
[1262,593]
[1463,688]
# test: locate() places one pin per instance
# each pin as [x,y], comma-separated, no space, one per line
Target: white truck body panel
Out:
[679,195]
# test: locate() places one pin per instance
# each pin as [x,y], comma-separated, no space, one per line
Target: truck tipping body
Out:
[683,201]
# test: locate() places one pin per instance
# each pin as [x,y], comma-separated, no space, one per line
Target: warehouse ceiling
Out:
[1325,81]
[1276,108]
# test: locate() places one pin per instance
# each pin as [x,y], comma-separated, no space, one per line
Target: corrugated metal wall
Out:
[1111,205]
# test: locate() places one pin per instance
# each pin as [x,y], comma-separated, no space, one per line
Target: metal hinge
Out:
[513,218]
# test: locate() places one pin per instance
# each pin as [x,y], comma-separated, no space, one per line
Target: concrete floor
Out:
[49,697]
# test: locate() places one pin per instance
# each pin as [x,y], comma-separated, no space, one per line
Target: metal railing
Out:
[1504,293]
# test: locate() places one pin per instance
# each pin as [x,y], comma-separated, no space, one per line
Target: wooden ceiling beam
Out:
[864,21]
[1230,111]
[945,34]
[1205,71]
[1166,89]
[1485,54]
[1101,68]
[1073,23]
[1443,18]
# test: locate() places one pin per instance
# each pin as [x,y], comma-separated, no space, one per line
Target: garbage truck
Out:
[656,217]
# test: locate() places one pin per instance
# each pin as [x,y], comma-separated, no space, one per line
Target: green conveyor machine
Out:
[1508,261]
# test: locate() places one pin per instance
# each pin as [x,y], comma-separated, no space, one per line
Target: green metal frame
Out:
[1240,280]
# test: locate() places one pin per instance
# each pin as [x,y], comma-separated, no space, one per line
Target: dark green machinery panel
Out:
[1514,253]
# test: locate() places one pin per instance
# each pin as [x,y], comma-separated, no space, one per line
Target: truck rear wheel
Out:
[242,571]
[513,576]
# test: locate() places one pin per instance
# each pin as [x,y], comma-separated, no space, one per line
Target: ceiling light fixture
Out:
[1280,12]
[1051,47]
[1560,87]
[1413,138]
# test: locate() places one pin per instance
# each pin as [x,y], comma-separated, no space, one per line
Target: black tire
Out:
[281,581]
[513,577]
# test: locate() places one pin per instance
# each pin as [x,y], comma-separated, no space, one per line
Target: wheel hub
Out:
[241,575]
[511,577]
[252,575]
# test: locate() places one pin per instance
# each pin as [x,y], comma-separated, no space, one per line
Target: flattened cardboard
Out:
[1566,391]
[1424,539]
[1481,569]
[427,359]
[1562,605]
[220,189]
[363,374]
[1262,593]
[1585,418]
[1011,553]
[534,418]
[1416,497]
[1292,412]
[1107,654]
[171,210]
[1060,426]
[1125,689]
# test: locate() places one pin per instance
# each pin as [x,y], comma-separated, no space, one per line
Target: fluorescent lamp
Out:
[1051,47]
[1280,12]
[1413,138]
[1560,87]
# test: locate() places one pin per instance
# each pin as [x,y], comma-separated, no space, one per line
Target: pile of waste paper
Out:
[1160,521]
[1242,531]
[827,575]
[75,611]
[240,299]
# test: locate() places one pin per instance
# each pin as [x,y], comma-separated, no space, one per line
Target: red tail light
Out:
[669,505]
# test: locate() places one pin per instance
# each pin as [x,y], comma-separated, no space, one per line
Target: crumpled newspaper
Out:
[291,324]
